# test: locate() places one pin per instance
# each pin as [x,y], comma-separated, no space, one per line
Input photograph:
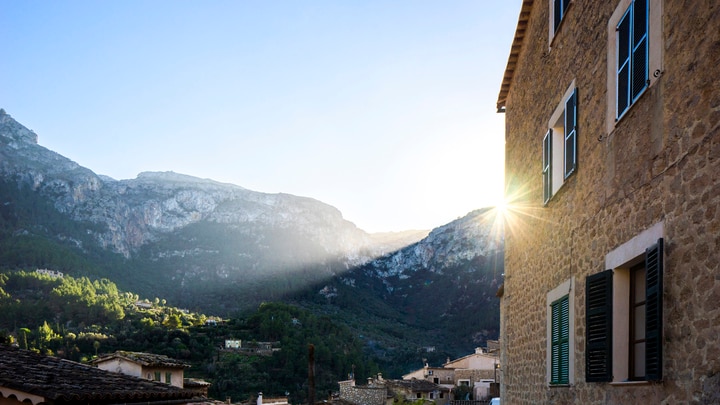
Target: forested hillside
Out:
[79,318]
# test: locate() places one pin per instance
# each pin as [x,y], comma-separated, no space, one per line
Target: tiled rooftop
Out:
[144,359]
[68,382]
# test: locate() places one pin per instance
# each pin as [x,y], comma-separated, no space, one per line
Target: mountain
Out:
[179,235]
[431,300]
[221,249]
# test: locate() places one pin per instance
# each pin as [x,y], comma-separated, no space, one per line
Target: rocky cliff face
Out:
[215,246]
[142,210]
[441,289]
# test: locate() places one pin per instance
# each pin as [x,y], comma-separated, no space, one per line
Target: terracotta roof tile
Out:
[144,359]
[65,381]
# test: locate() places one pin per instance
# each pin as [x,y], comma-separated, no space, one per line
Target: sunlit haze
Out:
[383,109]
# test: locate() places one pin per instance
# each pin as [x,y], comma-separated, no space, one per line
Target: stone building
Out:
[150,366]
[30,378]
[380,391]
[612,278]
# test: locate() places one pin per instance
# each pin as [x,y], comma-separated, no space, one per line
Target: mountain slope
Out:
[221,249]
[433,299]
[177,235]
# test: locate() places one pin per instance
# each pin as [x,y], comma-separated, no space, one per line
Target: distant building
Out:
[477,371]
[144,365]
[30,378]
[233,344]
[51,273]
[380,391]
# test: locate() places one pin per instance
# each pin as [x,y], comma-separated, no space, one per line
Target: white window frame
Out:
[567,288]
[654,59]
[556,133]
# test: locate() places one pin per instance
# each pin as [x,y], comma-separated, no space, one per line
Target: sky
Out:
[382,109]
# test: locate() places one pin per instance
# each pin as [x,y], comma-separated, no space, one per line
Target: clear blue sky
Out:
[383,109]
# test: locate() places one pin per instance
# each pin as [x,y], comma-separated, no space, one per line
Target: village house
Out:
[477,371]
[50,273]
[612,232]
[30,378]
[380,391]
[150,366]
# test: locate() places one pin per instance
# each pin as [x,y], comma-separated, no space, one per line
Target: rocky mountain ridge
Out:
[140,211]
[220,248]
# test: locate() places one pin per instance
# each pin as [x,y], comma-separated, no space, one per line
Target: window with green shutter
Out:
[560,345]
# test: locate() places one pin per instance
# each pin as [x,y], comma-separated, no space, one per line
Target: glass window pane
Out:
[639,322]
[639,360]
[639,281]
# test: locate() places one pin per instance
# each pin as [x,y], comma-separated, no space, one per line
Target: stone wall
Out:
[660,163]
[362,395]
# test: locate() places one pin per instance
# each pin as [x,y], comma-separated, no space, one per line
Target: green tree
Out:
[173,321]
[25,332]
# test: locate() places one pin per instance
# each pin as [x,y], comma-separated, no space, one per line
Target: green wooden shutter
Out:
[654,313]
[560,344]
[570,149]
[598,318]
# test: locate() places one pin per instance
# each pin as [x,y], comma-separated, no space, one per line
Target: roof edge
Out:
[515,49]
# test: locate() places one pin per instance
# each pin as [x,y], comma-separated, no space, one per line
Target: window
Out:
[560,145]
[560,335]
[634,54]
[560,350]
[157,376]
[168,378]
[436,380]
[624,314]
[559,9]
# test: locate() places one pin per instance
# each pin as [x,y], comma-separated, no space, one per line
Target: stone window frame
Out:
[620,261]
[565,289]
[654,57]
[555,159]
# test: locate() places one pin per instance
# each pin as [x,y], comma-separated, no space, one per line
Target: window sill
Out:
[629,383]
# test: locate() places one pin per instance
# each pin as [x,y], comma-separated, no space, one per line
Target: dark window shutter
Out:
[598,317]
[560,341]
[571,134]
[559,9]
[557,13]
[623,64]
[654,313]
[639,48]
[547,166]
